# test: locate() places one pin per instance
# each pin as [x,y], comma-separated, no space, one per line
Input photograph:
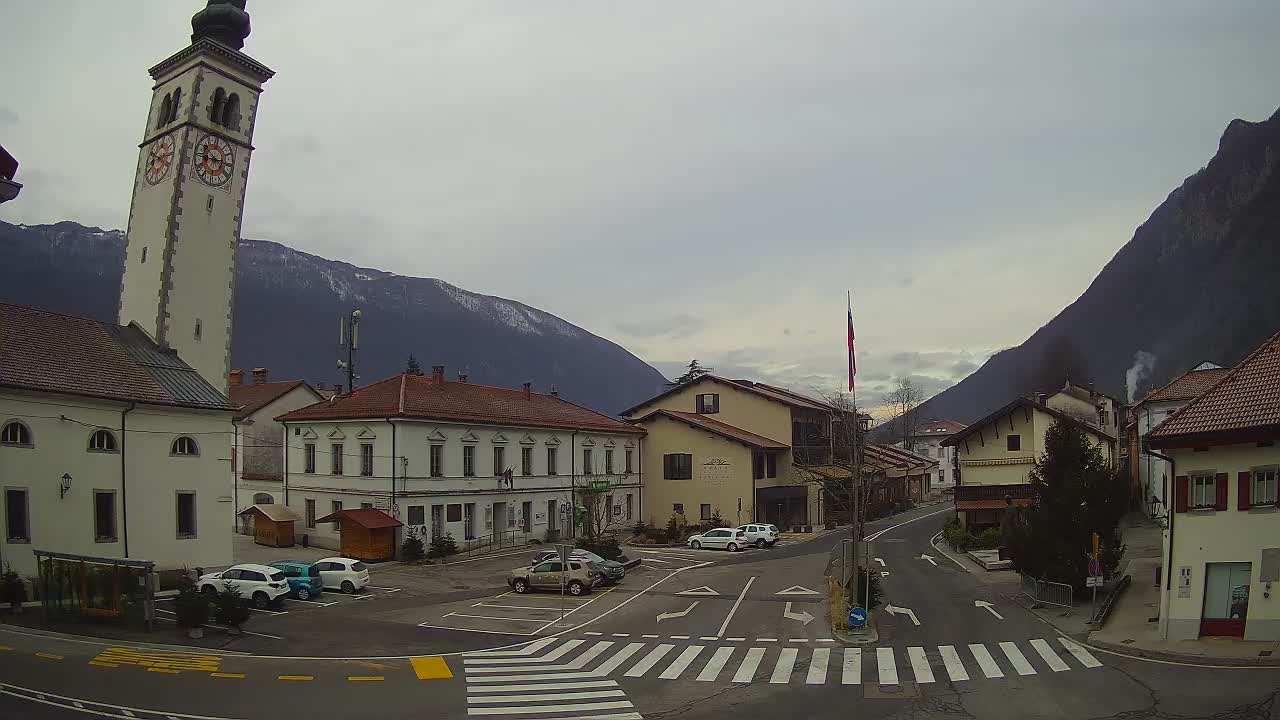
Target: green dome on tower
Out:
[223,20]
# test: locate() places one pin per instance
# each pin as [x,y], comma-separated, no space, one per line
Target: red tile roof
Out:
[786,397]
[722,429]
[1190,384]
[49,352]
[960,436]
[940,428]
[253,397]
[369,518]
[1245,401]
[420,397]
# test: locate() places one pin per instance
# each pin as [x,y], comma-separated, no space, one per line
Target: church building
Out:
[116,439]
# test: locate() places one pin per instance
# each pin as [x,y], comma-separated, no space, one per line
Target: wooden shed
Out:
[366,533]
[272,524]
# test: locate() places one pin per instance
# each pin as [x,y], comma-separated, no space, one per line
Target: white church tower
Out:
[188,193]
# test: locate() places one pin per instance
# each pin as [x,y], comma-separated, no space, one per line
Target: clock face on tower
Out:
[214,160]
[159,158]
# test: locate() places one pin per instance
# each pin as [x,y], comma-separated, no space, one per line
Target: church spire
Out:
[223,20]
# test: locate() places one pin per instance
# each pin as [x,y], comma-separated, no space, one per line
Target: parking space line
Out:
[388,589]
[491,617]
[365,678]
[49,656]
[475,630]
[313,602]
[237,676]
[271,612]
[517,607]
[103,664]
[167,671]
[299,678]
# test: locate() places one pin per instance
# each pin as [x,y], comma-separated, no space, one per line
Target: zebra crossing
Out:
[575,669]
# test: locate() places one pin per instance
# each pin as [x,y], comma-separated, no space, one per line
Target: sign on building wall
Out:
[715,472]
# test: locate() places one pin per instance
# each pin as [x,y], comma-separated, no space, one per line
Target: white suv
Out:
[762,536]
[339,573]
[258,584]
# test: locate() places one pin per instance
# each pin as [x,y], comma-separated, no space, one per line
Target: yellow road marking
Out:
[226,675]
[102,664]
[157,659]
[430,667]
[51,657]
[5,647]
[365,678]
[162,670]
[296,677]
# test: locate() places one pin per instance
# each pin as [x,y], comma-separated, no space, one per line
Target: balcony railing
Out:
[994,492]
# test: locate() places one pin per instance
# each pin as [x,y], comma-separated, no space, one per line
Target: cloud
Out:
[703,195]
[672,326]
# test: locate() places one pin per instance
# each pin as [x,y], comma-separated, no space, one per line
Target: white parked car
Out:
[762,536]
[339,573]
[259,584]
[727,538]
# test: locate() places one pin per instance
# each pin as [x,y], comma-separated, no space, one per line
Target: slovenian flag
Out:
[853,366]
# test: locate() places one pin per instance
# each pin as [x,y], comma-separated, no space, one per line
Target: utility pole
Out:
[348,340]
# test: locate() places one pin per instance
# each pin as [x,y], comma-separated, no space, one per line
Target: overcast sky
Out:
[688,179]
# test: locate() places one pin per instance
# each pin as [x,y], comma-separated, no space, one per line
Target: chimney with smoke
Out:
[1144,364]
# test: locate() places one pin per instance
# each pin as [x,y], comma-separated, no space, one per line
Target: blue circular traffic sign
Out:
[857,617]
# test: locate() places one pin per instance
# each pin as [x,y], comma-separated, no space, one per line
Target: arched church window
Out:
[177,100]
[217,106]
[166,106]
[231,112]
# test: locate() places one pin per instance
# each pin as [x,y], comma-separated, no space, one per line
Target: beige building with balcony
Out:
[994,457]
[731,446]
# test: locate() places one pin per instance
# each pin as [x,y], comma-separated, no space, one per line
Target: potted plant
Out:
[192,610]
[12,590]
[230,609]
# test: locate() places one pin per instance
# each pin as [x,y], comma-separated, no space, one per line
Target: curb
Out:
[1130,651]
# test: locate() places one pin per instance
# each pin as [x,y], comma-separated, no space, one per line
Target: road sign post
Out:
[565,551]
[857,617]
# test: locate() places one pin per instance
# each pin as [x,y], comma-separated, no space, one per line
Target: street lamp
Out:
[66,485]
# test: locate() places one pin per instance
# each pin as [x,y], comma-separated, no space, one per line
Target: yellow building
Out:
[994,457]
[1222,540]
[729,446]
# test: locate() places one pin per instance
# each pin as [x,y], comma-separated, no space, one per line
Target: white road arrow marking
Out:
[682,613]
[797,590]
[987,605]
[881,561]
[704,590]
[884,573]
[930,559]
[892,610]
[802,616]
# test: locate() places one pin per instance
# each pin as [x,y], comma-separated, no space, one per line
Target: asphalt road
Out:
[700,634]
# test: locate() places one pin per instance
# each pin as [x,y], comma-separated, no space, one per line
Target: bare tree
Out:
[600,518]
[905,397]
[838,480]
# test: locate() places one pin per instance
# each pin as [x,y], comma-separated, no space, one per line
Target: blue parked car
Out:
[304,580]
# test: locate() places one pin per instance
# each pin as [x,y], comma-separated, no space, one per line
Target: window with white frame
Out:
[551,461]
[437,461]
[102,441]
[335,452]
[626,461]
[1203,491]
[499,460]
[186,514]
[184,446]
[15,433]
[366,459]
[1263,491]
[468,460]
[309,458]
[608,461]
[526,461]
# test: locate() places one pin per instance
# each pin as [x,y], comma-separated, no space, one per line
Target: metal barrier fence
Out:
[1044,592]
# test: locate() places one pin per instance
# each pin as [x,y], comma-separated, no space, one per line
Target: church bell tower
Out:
[188,192]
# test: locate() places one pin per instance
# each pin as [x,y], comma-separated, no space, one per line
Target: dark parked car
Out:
[607,572]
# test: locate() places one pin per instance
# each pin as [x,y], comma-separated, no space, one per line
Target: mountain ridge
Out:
[1191,285]
[287,303]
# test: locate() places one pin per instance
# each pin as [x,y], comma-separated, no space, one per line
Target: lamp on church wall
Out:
[66,485]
